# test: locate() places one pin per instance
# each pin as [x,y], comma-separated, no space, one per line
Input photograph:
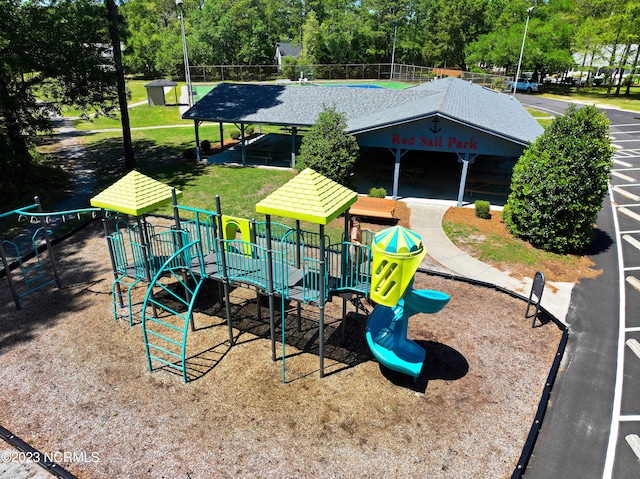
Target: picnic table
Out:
[373,207]
[488,185]
[413,173]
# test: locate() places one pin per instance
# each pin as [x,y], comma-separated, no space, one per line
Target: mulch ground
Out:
[73,379]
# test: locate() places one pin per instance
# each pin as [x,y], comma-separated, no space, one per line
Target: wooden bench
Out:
[373,207]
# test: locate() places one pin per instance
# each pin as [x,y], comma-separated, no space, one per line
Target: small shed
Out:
[157,89]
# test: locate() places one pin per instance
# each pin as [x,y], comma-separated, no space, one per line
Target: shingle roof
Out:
[160,82]
[134,194]
[289,49]
[309,196]
[369,109]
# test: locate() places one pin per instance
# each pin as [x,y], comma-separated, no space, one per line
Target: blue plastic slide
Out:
[387,330]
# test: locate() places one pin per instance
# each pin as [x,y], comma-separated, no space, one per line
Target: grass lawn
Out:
[598,96]
[140,116]
[159,155]
[490,242]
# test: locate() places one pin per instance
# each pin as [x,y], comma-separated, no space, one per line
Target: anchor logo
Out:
[435,128]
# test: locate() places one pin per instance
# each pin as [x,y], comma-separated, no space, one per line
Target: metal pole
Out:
[294,131]
[223,270]
[524,37]
[322,301]
[396,174]
[187,73]
[7,270]
[48,243]
[270,291]
[393,52]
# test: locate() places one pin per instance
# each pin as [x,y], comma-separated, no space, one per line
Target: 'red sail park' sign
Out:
[450,142]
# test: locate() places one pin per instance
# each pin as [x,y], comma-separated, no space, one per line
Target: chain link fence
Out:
[337,72]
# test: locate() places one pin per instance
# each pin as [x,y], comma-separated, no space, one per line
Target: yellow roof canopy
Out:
[134,194]
[309,196]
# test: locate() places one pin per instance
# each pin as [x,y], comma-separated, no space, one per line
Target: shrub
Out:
[327,148]
[377,192]
[289,68]
[189,154]
[235,134]
[559,182]
[205,145]
[483,209]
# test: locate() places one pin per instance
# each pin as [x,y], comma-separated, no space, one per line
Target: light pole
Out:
[393,52]
[187,73]
[524,37]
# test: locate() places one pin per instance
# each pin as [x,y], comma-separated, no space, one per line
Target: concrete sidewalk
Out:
[426,220]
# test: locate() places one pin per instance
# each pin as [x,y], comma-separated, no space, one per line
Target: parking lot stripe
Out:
[622,163]
[632,241]
[634,345]
[634,282]
[634,442]
[630,418]
[629,213]
[623,176]
[626,193]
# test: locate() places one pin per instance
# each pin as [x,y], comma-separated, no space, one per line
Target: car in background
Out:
[524,84]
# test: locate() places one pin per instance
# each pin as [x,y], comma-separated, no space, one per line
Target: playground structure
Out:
[277,261]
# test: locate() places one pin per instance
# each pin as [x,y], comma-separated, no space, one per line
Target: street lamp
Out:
[187,73]
[393,52]
[524,37]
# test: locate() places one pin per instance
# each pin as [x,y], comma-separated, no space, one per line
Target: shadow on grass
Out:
[161,162]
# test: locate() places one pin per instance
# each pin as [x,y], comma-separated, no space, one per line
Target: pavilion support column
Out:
[243,143]
[196,124]
[398,153]
[221,137]
[294,132]
[466,160]
[396,171]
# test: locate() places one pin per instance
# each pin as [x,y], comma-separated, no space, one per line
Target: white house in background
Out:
[286,50]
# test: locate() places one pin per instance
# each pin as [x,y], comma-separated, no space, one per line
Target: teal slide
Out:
[387,330]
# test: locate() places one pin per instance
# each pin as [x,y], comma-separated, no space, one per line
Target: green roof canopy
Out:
[308,197]
[134,194]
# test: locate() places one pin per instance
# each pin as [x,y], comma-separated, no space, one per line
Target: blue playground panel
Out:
[387,330]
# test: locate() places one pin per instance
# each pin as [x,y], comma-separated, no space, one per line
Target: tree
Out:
[51,55]
[454,25]
[560,181]
[114,33]
[327,148]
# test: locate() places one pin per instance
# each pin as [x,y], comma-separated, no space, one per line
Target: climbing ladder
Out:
[167,310]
